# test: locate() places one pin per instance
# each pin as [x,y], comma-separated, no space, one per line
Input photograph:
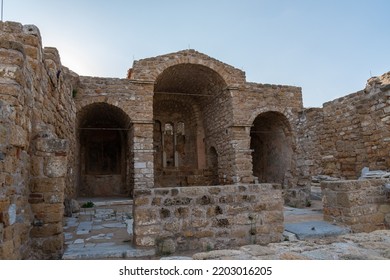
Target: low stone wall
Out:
[207,217]
[362,205]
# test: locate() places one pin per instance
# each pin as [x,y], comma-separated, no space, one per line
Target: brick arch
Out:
[151,68]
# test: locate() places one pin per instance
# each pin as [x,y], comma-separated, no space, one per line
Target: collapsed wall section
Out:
[207,217]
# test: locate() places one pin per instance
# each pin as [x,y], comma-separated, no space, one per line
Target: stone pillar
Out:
[243,169]
[49,168]
[143,155]
[143,170]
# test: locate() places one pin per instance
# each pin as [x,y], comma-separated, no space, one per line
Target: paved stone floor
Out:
[105,232]
[102,232]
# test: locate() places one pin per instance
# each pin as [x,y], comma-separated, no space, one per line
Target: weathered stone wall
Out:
[36,111]
[349,133]
[208,217]
[132,107]
[284,102]
[362,205]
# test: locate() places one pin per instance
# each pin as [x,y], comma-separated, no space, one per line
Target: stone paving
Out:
[102,232]
[105,232]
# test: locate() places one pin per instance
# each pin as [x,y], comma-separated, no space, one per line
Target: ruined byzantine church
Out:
[205,155]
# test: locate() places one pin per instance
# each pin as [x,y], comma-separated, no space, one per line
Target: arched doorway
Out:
[103,151]
[188,118]
[271,143]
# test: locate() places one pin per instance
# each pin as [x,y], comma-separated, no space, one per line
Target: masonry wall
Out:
[36,112]
[208,217]
[348,133]
[361,205]
[134,99]
[251,101]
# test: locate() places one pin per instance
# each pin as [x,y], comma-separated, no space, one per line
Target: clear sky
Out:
[327,47]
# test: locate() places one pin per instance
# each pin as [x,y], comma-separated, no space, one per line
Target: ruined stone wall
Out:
[349,133]
[36,110]
[361,205]
[207,217]
[310,127]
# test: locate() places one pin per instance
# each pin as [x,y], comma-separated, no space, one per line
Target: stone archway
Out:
[271,143]
[103,151]
[187,120]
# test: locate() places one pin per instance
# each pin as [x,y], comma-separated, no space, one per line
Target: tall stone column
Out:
[143,155]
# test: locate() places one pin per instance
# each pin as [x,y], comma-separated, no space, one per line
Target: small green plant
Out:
[209,247]
[308,202]
[74,93]
[88,204]
[164,247]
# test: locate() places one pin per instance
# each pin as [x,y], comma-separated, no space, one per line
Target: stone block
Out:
[228,199]
[7,250]
[203,234]
[37,166]
[271,217]
[182,212]
[145,241]
[145,217]
[177,201]
[4,204]
[52,145]
[165,246]
[147,230]
[55,166]
[239,233]
[172,226]
[46,230]
[213,211]
[45,185]
[200,223]
[18,137]
[141,201]
[53,245]
[384,208]
[54,198]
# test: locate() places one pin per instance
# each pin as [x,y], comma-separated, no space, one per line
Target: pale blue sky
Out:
[329,48]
